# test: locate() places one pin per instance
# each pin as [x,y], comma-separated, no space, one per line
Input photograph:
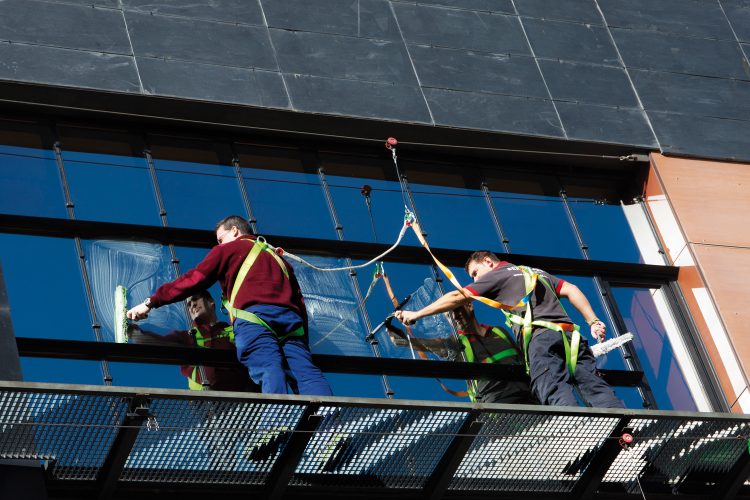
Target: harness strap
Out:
[259,245]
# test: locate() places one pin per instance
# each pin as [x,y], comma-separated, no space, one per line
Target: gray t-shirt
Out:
[505,284]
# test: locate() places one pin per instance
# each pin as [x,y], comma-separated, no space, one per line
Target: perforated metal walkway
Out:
[115,442]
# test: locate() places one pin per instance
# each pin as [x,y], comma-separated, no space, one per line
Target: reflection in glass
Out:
[198,195]
[111,188]
[140,267]
[30,183]
[61,371]
[654,348]
[43,278]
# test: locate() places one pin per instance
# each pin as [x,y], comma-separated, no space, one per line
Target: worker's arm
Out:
[581,303]
[447,302]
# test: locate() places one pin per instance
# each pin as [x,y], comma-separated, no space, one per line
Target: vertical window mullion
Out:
[95,326]
[610,307]
[243,191]
[339,228]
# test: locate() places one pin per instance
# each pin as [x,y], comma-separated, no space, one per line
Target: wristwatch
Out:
[147,303]
[595,320]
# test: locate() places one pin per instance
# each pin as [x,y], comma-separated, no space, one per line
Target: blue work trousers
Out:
[551,381]
[274,363]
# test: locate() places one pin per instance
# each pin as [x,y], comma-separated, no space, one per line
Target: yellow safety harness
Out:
[526,322]
[472,385]
[259,245]
[201,341]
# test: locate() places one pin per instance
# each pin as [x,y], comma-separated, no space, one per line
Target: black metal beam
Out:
[599,463]
[283,469]
[63,228]
[174,355]
[111,470]
[734,479]
[441,476]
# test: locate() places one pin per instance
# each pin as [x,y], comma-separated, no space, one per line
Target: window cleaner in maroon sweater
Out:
[265,303]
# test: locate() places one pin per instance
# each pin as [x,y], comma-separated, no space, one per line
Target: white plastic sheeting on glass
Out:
[335,321]
[139,266]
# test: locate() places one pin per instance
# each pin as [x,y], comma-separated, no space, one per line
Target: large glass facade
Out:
[165,182]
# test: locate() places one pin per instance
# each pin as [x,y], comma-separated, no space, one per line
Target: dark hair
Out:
[234,221]
[203,294]
[479,256]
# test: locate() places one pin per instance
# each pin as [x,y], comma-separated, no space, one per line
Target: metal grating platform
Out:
[114,442]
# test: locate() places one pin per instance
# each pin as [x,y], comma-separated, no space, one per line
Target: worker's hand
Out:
[139,312]
[598,330]
[407,317]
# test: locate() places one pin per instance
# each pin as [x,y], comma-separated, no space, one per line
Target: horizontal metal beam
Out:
[63,228]
[135,353]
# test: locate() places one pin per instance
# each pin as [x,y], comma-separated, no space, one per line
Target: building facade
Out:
[600,140]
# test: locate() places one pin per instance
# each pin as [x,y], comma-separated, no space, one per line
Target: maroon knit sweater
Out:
[264,284]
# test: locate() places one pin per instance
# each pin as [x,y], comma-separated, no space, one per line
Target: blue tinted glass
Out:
[606,231]
[356,386]
[61,371]
[111,188]
[288,203]
[455,218]
[42,274]
[30,183]
[197,195]
[386,206]
[428,389]
[147,375]
[654,349]
[536,225]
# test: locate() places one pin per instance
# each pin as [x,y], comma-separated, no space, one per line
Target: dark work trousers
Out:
[551,381]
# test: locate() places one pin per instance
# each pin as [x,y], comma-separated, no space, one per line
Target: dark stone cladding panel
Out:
[344,57]
[64,25]
[680,17]
[200,41]
[570,41]
[461,29]
[504,6]
[520,115]
[103,3]
[465,70]
[606,124]
[66,67]
[738,13]
[718,138]
[357,98]
[361,18]
[588,83]
[581,11]
[233,11]
[693,95]
[679,54]
[209,82]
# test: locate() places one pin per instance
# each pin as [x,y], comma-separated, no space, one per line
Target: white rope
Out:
[347,268]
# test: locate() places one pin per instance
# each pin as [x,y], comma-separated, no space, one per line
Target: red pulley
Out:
[366,190]
[279,251]
[627,438]
[390,142]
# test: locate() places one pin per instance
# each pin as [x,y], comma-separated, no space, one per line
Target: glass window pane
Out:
[43,278]
[606,231]
[355,385]
[654,349]
[455,218]
[286,198]
[29,179]
[108,178]
[198,188]
[61,371]
[147,375]
[139,266]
